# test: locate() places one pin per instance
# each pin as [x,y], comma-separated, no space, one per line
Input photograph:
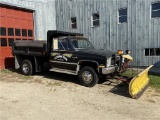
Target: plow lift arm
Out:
[137,84]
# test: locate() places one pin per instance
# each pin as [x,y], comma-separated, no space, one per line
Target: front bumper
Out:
[108,70]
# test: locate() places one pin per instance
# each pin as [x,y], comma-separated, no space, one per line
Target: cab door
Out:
[63,56]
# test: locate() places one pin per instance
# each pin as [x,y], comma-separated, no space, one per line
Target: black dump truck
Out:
[65,52]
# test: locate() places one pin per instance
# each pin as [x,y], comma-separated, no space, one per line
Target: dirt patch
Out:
[54,96]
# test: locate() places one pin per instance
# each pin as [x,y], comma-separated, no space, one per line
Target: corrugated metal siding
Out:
[138,33]
[44,15]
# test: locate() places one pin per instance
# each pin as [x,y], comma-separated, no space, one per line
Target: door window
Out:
[61,44]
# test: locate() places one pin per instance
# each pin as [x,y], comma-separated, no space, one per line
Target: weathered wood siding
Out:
[44,14]
[138,33]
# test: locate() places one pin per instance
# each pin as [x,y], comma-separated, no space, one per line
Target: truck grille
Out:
[112,61]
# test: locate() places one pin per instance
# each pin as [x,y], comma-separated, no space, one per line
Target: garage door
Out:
[15,24]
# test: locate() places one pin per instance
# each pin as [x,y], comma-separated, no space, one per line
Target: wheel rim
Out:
[25,68]
[87,77]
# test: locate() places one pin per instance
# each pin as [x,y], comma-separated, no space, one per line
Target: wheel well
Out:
[30,59]
[94,65]
[21,58]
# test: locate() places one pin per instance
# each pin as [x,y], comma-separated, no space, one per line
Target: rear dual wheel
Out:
[27,67]
[88,77]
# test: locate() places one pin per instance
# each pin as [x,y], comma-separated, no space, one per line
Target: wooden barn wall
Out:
[138,33]
[44,14]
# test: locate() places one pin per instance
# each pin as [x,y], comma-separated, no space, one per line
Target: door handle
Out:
[74,57]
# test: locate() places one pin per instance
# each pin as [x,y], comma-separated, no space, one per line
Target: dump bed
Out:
[28,47]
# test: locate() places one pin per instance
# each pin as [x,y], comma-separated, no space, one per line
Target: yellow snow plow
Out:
[137,84]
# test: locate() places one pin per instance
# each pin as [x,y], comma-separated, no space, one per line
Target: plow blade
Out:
[139,83]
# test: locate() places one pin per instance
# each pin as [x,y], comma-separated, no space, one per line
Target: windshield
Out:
[81,44]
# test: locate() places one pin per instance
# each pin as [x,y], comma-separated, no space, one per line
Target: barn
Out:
[23,20]
[109,24]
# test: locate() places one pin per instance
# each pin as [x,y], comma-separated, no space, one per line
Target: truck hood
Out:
[104,53]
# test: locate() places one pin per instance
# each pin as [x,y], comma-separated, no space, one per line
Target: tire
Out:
[88,77]
[27,67]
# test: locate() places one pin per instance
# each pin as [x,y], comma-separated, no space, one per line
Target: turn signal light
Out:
[120,52]
[128,51]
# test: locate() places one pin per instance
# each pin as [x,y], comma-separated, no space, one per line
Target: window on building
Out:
[3,42]
[2,31]
[146,52]
[24,32]
[74,22]
[30,33]
[158,51]
[18,32]
[95,20]
[10,41]
[155,10]
[122,15]
[10,32]
[152,52]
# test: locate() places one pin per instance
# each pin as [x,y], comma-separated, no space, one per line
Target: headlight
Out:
[120,52]
[108,62]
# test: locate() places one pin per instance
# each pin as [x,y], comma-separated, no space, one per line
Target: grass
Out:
[12,76]
[130,73]
[5,71]
[26,77]
[155,82]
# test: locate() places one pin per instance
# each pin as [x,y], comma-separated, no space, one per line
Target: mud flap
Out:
[139,83]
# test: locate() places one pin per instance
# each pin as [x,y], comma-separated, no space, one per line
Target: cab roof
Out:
[55,33]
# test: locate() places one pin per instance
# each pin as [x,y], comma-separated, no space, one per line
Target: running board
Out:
[63,71]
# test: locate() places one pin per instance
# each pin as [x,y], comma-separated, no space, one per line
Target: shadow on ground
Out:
[59,77]
[52,76]
[117,87]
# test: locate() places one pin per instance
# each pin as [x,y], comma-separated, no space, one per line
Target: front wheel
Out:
[88,77]
[27,67]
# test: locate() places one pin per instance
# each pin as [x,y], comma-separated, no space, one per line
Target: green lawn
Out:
[155,82]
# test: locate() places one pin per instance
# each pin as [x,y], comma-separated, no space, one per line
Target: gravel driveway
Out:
[53,96]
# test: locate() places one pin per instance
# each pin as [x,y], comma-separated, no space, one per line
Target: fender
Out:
[78,65]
